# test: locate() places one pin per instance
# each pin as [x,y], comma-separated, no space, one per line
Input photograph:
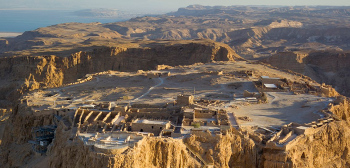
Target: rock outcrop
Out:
[326,147]
[24,73]
[231,150]
[330,67]
[68,152]
[61,54]
[149,152]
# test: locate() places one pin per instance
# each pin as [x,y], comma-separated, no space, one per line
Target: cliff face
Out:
[329,61]
[153,152]
[68,151]
[235,151]
[342,110]
[288,60]
[328,147]
[331,68]
[15,149]
[21,74]
[231,150]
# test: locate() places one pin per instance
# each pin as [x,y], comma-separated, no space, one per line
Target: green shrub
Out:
[196,125]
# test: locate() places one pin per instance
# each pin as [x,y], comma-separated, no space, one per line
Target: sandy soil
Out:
[283,108]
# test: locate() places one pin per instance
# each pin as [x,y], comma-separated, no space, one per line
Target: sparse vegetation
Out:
[196,125]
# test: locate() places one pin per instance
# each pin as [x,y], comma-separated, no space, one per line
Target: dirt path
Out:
[149,90]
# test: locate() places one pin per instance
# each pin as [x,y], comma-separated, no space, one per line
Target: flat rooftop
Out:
[145,121]
[271,86]
[188,110]
[267,77]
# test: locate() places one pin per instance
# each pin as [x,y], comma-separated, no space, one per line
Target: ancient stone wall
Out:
[154,128]
[185,100]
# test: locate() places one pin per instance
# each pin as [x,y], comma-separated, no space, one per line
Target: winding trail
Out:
[150,89]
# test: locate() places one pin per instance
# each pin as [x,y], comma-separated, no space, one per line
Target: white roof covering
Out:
[88,105]
[267,77]
[303,127]
[251,98]
[188,110]
[145,121]
[270,86]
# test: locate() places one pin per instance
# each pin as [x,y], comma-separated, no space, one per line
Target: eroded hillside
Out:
[20,74]
[99,82]
[252,32]
[331,67]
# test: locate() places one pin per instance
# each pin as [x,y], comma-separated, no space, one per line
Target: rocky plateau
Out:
[305,45]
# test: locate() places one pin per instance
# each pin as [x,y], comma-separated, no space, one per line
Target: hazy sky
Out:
[152,5]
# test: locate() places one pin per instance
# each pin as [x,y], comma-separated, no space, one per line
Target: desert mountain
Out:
[120,94]
[254,32]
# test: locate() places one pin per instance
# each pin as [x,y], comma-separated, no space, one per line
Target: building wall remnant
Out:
[204,113]
[152,126]
[268,80]
[185,100]
[188,113]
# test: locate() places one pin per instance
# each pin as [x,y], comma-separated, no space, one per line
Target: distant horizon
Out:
[26,19]
[152,5]
[160,10]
